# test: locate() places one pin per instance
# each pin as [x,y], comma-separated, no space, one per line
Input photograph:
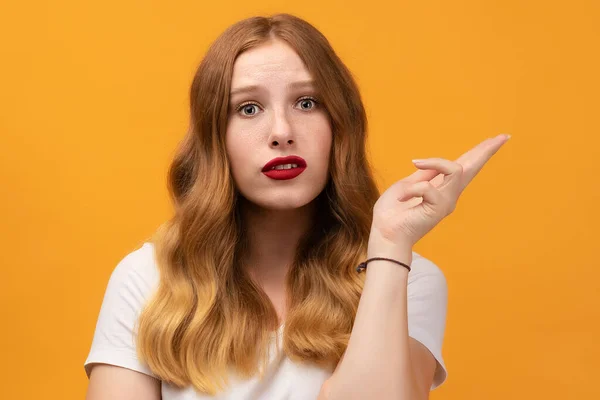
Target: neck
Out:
[273,237]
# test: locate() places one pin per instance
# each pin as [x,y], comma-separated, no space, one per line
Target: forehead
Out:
[271,61]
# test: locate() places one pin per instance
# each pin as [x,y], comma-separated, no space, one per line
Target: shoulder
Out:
[427,288]
[425,270]
[427,295]
[130,285]
[133,280]
[137,268]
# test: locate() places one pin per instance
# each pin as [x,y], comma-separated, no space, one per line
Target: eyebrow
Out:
[251,88]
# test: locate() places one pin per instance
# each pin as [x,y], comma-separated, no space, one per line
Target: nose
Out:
[281,130]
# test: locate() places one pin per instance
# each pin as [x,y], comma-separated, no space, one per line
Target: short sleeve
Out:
[129,287]
[427,301]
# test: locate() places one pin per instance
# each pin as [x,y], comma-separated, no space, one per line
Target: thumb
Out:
[425,190]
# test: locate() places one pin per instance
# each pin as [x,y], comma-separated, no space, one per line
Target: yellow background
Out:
[94,98]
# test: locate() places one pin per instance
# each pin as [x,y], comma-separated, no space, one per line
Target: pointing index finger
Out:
[474,159]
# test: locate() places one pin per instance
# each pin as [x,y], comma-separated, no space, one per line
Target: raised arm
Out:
[381,361]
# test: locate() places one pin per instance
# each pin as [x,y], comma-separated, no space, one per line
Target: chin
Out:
[287,200]
[282,204]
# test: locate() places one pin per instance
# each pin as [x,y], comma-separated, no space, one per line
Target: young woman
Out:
[251,290]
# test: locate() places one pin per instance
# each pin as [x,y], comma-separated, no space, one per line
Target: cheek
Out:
[241,145]
[241,137]
[235,153]
[323,144]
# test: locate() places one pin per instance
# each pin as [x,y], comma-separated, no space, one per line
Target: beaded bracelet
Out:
[363,265]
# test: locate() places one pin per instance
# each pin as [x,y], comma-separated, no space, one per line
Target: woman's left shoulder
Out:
[424,268]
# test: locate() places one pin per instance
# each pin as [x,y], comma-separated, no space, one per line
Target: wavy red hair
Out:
[207,315]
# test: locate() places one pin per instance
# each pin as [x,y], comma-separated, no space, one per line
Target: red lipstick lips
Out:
[283,174]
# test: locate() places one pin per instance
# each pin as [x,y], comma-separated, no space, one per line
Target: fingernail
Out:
[507,136]
[417,161]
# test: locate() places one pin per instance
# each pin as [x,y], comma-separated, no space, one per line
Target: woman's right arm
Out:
[109,382]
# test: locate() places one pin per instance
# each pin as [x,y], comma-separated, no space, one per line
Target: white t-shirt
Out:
[136,276]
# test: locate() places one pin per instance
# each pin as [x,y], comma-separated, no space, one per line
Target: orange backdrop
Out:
[95,98]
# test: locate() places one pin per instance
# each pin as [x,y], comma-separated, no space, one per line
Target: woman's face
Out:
[274,112]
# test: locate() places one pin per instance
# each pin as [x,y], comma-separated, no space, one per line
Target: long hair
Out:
[207,315]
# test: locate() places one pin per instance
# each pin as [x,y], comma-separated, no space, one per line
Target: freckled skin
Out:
[280,123]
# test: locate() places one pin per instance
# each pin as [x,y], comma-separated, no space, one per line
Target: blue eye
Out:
[246,107]
[307,100]
[307,103]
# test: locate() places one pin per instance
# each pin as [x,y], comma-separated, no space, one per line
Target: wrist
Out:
[404,257]
[388,272]
[379,247]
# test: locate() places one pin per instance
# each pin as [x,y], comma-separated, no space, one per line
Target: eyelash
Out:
[247,103]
